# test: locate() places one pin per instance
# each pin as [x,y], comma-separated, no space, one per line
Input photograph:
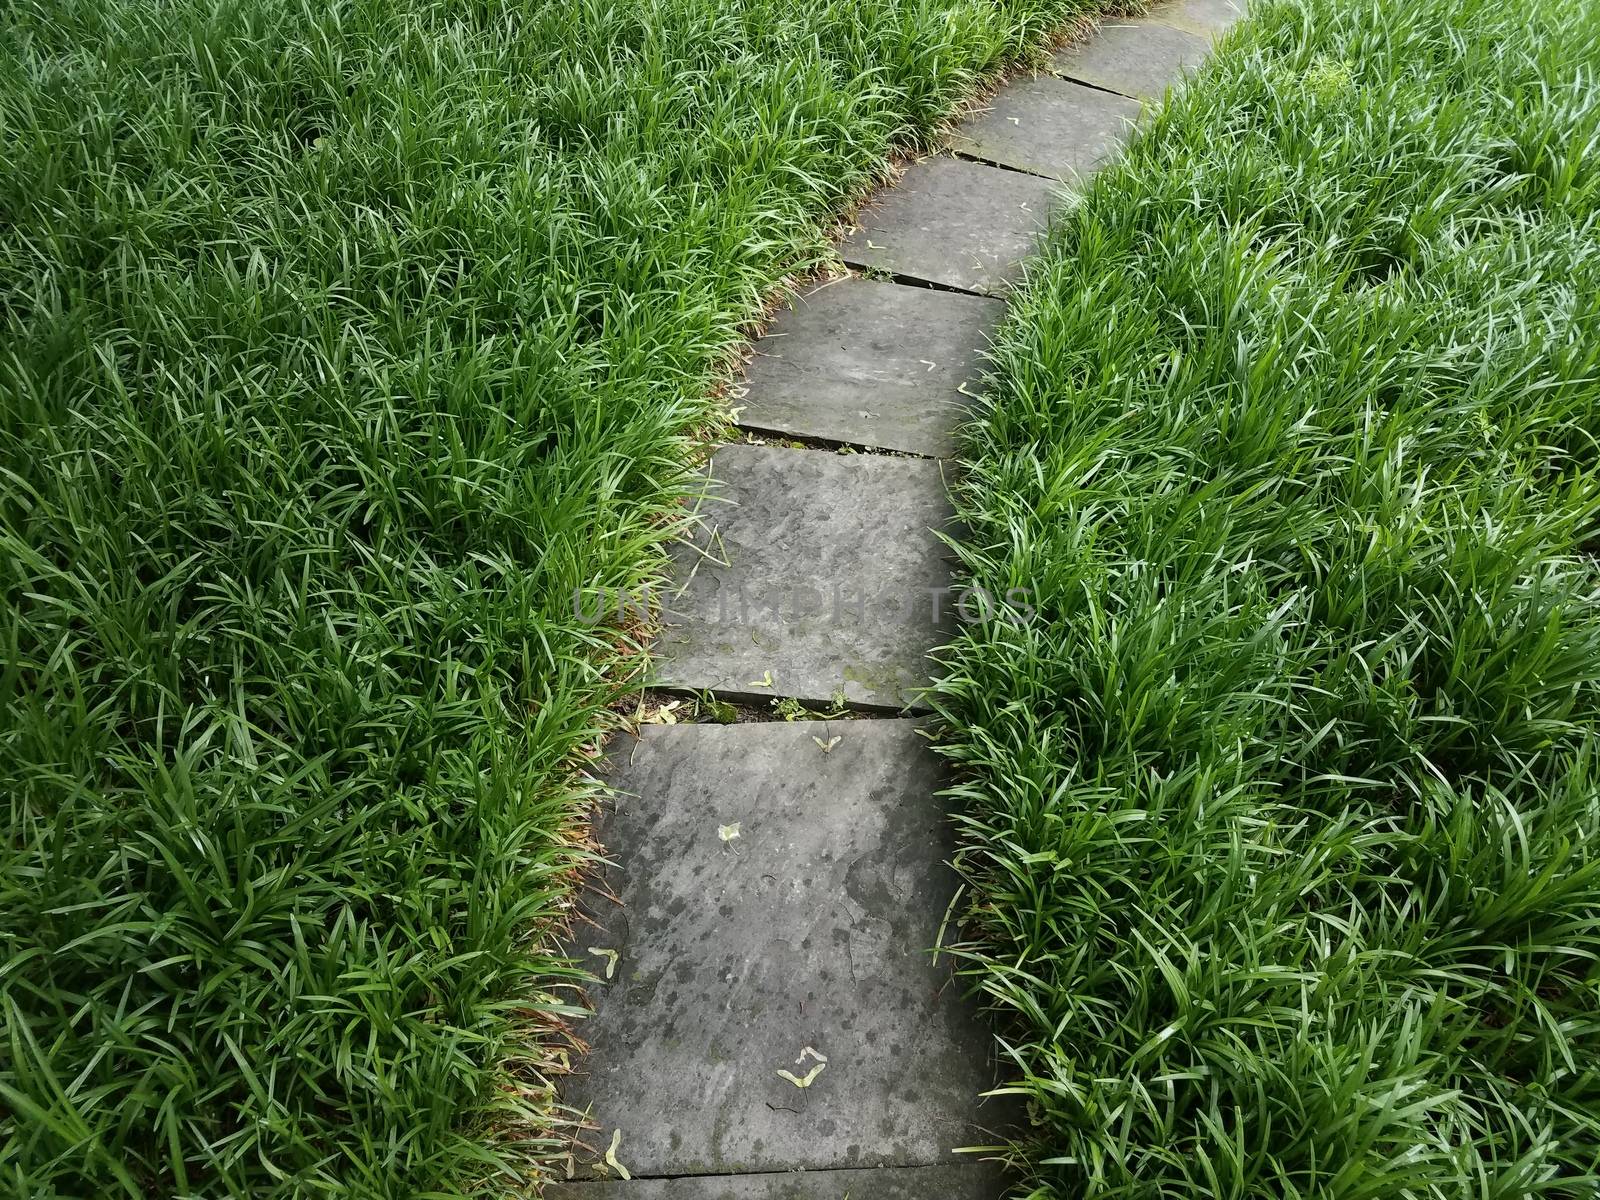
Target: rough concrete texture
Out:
[960,224]
[975,1182]
[1210,18]
[1049,126]
[814,574]
[1135,58]
[778,898]
[870,363]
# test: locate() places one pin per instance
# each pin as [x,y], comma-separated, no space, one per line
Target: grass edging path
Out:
[1282,808]
[344,343]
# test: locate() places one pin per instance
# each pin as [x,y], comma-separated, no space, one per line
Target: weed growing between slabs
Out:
[342,343]
[1284,811]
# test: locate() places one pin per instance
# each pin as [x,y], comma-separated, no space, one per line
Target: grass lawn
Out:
[1283,810]
[340,342]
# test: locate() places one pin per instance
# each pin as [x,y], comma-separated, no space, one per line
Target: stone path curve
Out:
[770,1024]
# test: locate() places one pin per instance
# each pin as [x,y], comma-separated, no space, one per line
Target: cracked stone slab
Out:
[871,364]
[813,574]
[960,224]
[1140,59]
[1208,18]
[803,937]
[1049,126]
[975,1182]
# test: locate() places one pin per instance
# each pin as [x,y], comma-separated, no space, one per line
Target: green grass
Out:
[1282,811]
[339,344]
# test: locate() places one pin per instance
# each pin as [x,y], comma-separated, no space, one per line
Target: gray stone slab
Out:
[811,928]
[1136,58]
[814,573]
[1209,18]
[901,1183]
[950,222]
[870,363]
[1049,126]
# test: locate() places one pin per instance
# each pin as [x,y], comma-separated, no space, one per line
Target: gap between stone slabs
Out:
[964,1182]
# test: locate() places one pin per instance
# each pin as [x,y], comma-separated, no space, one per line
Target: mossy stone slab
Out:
[870,364]
[1139,59]
[1049,126]
[778,887]
[814,575]
[958,224]
[1209,18]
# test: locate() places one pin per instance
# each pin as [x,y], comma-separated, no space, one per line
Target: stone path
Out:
[770,1024]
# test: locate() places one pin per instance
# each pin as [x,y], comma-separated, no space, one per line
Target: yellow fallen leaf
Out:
[611,1155]
[810,1075]
[665,715]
